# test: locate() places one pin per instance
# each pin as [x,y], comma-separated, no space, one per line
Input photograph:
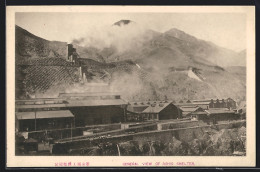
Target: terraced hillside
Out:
[43,77]
[40,80]
[155,69]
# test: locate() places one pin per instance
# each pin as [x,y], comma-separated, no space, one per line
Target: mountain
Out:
[180,44]
[196,48]
[172,65]
[29,46]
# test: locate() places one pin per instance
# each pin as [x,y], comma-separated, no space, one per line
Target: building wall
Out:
[224,117]
[97,115]
[203,117]
[227,103]
[45,124]
[170,112]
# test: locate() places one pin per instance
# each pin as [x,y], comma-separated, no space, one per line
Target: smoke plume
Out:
[122,37]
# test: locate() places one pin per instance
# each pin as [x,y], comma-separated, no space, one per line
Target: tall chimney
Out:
[84,78]
[80,72]
[70,51]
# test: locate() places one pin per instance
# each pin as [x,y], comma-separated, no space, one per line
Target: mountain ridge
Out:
[157,68]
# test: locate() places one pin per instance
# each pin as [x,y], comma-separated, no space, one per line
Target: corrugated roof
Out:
[189,108]
[110,102]
[156,108]
[83,94]
[39,99]
[219,111]
[148,103]
[183,104]
[186,113]
[205,100]
[44,114]
[209,100]
[136,108]
[37,106]
[201,103]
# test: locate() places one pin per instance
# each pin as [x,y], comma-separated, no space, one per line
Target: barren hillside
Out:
[156,68]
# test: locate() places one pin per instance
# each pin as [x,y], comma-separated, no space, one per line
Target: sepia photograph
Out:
[131,83]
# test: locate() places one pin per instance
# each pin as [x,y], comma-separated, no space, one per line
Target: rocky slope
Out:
[155,68]
[29,46]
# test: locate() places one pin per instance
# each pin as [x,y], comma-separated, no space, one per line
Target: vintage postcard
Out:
[130,86]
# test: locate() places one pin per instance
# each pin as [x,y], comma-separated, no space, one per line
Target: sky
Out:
[227,30]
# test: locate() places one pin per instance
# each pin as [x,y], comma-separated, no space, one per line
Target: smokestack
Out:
[84,78]
[70,51]
[80,72]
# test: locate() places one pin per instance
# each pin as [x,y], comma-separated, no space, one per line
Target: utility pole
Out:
[34,120]
[118,150]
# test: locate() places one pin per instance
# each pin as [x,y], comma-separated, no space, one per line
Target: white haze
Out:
[122,37]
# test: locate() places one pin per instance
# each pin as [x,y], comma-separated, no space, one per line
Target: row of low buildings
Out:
[69,110]
[210,103]
[208,110]
[76,110]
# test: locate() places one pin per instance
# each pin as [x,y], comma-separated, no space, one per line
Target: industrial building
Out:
[42,114]
[188,109]
[95,108]
[216,103]
[70,110]
[215,115]
[209,103]
[152,110]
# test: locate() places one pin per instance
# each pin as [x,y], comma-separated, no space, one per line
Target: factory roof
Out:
[209,100]
[85,94]
[39,101]
[190,109]
[75,100]
[141,103]
[80,103]
[184,104]
[199,113]
[219,111]
[156,108]
[38,106]
[44,114]
[136,108]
